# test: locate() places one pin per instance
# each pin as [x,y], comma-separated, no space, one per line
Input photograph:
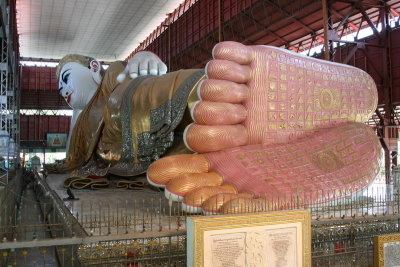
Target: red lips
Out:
[69,98]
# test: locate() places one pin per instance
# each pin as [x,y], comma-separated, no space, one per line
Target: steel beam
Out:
[264,28]
[350,54]
[367,18]
[343,18]
[287,14]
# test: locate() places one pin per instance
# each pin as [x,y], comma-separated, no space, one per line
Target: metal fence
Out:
[3,175]
[38,229]
[10,199]
[150,249]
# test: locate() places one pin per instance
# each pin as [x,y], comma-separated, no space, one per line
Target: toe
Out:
[195,198]
[204,138]
[177,188]
[233,51]
[245,205]
[213,204]
[214,113]
[163,170]
[222,91]
[227,70]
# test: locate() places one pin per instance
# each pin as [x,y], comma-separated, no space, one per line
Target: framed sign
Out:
[281,238]
[56,139]
[387,250]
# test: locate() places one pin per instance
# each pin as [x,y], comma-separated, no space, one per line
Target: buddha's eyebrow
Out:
[62,75]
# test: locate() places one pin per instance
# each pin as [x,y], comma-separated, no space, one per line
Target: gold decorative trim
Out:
[379,243]
[219,222]
[83,60]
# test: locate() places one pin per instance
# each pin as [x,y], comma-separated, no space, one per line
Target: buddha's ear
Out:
[95,67]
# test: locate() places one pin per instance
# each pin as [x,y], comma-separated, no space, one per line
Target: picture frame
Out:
[56,139]
[386,250]
[277,238]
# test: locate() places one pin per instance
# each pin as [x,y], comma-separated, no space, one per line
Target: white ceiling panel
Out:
[104,29]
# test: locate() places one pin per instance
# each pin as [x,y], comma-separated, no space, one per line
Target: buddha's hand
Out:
[141,64]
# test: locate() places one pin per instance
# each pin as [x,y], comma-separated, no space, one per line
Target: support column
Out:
[387,86]
[220,20]
[9,85]
[325,20]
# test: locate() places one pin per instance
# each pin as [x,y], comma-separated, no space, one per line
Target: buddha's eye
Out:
[65,78]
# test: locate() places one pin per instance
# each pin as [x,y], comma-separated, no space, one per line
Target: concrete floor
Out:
[116,211]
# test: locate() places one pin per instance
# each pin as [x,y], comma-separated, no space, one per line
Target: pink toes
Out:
[227,70]
[223,91]
[219,116]
[262,126]
[342,159]
[204,138]
[182,184]
[214,113]
[164,170]
[199,196]
[214,203]
[232,51]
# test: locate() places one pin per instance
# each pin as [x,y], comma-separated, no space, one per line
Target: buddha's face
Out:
[77,84]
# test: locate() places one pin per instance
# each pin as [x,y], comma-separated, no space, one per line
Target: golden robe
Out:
[127,126]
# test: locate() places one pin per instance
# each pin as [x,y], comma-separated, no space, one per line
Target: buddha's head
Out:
[78,78]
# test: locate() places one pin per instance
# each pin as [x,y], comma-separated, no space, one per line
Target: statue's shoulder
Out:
[117,66]
[111,73]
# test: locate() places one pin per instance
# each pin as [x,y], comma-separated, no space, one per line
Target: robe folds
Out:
[127,126]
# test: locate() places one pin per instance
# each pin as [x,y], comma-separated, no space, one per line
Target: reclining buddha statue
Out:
[257,122]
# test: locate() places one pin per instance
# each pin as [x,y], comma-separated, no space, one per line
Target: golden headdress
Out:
[83,60]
